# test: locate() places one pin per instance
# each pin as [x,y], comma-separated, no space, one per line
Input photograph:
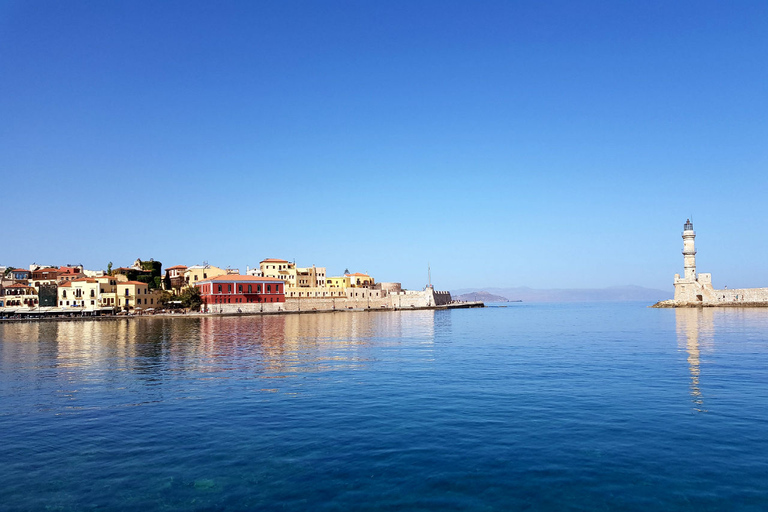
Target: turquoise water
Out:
[528,407]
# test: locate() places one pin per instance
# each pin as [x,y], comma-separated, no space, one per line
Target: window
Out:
[239,288]
[64,293]
[205,276]
[93,294]
[269,288]
[219,288]
[258,288]
[229,288]
[249,289]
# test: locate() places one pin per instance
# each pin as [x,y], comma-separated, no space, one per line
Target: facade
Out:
[49,274]
[174,278]
[196,273]
[339,282]
[19,296]
[82,294]
[294,277]
[234,291]
[19,274]
[70,273]
[313,292]
[358,280]
[279,269]
[107,291]
[695,289]
[134,294]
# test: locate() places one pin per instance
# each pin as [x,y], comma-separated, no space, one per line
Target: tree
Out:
[109,268]
[165,298]
[8,271]
[190,298]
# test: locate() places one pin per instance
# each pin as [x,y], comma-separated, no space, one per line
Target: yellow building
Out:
[339,282]
[293,276]
[19,296]
[358,280]
[133,295]
[108,290]
[197,273]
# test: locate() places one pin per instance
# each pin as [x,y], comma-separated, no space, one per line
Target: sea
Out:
[520,406]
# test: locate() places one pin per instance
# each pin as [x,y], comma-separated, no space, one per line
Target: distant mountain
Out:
[612,294]
[480,297]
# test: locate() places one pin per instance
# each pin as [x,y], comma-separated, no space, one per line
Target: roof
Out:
[121,268]
[66,284]
[18,285]
[176,267]
[358,274]
[47,269]
[235,278]
[273,260]
[84,280]
[130,282]
[104,277]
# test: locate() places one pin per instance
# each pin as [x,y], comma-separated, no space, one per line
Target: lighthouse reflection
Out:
[695,331]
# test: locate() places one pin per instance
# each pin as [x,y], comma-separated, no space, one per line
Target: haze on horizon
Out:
[556,145]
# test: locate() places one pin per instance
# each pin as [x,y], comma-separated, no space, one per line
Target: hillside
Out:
[480,297]
[612,294]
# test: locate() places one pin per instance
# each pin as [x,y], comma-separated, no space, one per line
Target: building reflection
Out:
[695,331]
[149,353]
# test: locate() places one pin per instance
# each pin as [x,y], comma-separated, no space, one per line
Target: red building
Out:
[238,289]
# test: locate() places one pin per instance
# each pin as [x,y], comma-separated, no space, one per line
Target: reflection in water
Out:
[152,351]
[695,329]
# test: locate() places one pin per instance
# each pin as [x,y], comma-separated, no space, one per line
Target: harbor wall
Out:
[359,298]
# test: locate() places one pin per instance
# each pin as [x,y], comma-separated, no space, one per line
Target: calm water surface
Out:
[532,406]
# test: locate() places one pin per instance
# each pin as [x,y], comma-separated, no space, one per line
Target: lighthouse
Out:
[689,251]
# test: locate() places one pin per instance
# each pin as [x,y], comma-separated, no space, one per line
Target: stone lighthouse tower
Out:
[692,288]
[689,252]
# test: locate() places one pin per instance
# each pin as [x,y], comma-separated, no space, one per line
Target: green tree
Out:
[8,271]
[165,298]
[190,298]
[109,268]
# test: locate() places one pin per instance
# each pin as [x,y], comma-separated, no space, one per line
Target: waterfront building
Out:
[107,291]
[236,290]
[82,294]
[70,273]
[20,296]
[174,278]
[358,280]
[294,277]
[196,273]
[279,269]
[20,275]
[134,295]
[339,282]
[44,276]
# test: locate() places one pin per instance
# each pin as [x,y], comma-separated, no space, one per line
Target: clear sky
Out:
[544,144]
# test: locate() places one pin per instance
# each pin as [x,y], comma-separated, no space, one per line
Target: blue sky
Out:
[543,144]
